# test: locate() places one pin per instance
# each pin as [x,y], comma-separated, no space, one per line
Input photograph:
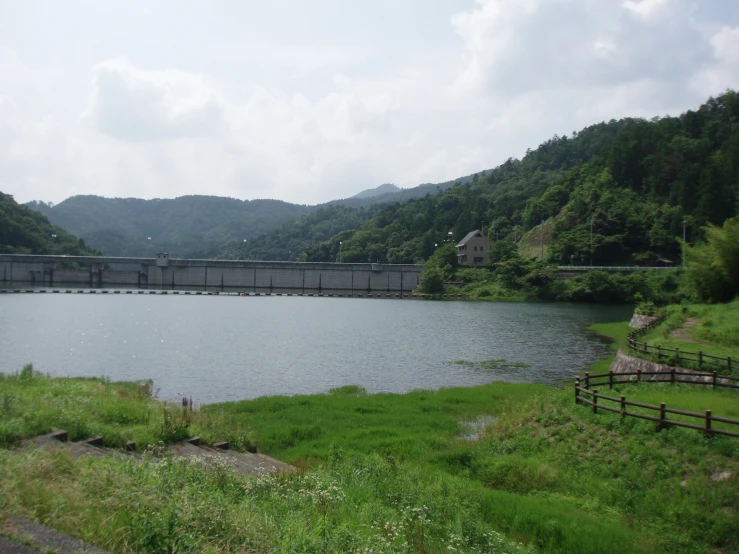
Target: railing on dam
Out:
[612,268]
[117,260]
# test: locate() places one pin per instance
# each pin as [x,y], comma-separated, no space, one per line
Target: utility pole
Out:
[685,224]
[592,220]
[541,236]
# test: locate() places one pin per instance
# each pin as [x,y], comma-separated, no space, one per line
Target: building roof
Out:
[470,235]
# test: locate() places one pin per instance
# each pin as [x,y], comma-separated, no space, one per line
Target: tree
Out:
[432,280]
[438,268]
[714,265]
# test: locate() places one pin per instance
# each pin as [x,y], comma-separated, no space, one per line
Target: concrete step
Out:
[11,547]
[242,462]
[78,448]
[39,538]
[245,463]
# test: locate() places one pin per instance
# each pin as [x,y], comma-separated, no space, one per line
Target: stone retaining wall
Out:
[631,364]
[641,321]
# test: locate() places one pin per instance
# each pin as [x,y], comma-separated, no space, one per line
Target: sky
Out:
[312,101]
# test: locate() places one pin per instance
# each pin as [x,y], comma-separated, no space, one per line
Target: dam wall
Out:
[163,273]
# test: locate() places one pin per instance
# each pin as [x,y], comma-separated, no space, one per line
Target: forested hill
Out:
[292,239]
[635,180]
[212,226]
[188,226]
[25,231]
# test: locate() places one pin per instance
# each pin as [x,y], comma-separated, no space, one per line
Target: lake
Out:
[216,348]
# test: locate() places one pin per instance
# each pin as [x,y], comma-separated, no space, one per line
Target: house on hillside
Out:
[474,249]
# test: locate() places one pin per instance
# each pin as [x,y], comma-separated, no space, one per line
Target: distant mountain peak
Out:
[387,188]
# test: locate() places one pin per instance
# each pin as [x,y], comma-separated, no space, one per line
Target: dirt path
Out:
[683,333]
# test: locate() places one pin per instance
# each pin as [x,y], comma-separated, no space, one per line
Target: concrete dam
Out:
[163,273]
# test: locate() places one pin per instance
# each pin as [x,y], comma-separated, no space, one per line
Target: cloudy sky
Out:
[307,101]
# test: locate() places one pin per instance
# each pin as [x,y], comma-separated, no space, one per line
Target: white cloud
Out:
[517,46]
[134,104]
[724,72]
[647,8]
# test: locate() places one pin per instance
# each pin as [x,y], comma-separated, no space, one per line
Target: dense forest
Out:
[25,231]
[634,181]
[292,239]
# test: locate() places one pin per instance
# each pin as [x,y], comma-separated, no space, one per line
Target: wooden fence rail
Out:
[673,377]
[699,358]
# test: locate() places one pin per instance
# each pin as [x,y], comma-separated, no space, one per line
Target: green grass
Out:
[717,332]
[391,473]
[691,398]
[616,333]
[32,404]
[301,429]
[354,503]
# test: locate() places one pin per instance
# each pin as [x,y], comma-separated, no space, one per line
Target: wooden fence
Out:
[676,355]
[708,379]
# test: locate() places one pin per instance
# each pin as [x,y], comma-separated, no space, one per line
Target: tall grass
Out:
[300,429]
[385,473]
[32,404]
[716,333]
[358,503]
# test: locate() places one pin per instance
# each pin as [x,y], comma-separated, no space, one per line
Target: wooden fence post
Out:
[577,392]
[714,379]
[595,401]
[638,375]
[662,415]
[659,352]
[610,379]
[677,354]
[672,375]
[623,406]
[728,363]
[587,380]
[700,359]
[708,422]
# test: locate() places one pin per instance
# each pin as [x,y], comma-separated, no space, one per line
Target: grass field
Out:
[716,332]
[617,332]
[380,473]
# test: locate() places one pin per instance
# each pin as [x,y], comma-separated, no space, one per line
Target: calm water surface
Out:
[229,348]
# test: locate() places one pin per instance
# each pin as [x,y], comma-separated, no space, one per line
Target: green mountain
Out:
[188,226]
[26,231]
[634,181]
[292,239]
[212,226]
